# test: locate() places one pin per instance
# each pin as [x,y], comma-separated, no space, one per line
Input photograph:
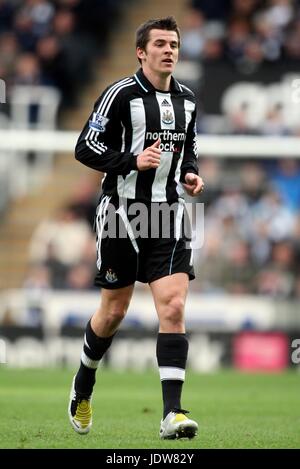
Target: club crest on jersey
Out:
[111,276]
[98,122]
[167,117]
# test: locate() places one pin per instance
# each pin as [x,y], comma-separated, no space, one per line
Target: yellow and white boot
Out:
[80,411]
[177,425]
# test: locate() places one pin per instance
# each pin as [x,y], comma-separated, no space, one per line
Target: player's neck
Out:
[158,81]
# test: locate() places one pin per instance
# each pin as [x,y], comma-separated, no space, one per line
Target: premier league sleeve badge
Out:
[98,122]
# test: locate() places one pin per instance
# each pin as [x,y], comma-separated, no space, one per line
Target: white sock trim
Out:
[170,372]
[88,362]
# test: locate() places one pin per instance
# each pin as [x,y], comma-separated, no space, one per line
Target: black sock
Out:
[171,352]
[94,348]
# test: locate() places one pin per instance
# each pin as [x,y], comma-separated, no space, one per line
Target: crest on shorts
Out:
[167,117]
[98,122]
[111,276]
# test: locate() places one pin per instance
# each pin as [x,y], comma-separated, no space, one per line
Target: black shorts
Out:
[140,242]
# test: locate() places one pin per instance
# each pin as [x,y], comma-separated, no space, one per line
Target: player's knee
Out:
[174,310]
[112,319]
[116,315]
[115,307]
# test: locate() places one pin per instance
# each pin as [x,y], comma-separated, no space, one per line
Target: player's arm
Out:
[189,177]
[95,147]
[189,161]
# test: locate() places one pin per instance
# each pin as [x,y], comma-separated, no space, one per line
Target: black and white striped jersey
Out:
[130,116]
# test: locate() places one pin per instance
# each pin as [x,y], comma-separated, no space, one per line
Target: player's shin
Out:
[94,348]
[171,352]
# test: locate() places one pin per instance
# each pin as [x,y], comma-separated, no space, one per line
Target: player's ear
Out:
[140,53]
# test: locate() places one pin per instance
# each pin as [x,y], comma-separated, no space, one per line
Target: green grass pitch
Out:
[234,410]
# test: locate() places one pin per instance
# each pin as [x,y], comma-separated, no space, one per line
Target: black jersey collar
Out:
[146,86]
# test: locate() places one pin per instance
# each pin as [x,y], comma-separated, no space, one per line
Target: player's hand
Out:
[194,184]
[150,157]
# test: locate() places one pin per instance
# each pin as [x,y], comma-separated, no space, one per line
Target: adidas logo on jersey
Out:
[165,103]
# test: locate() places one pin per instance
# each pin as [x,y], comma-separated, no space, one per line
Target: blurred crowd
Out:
[244,32]
[62,251]
[255,44]
[52,42]
[252,228]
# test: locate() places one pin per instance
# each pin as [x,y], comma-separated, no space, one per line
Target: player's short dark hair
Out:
[167,24]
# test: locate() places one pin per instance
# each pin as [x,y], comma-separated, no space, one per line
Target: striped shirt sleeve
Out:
[189,162]
[96,146]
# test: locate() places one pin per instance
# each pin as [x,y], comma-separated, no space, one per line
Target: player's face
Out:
[161,54]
